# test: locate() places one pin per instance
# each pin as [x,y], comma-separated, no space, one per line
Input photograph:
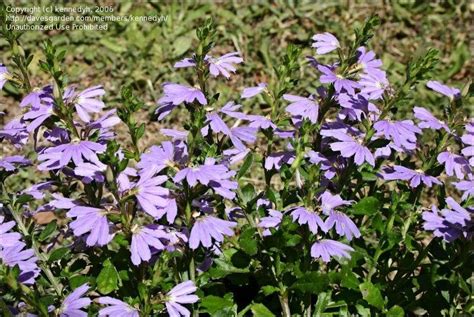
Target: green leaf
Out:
[259,310]
[48,231]
[108,278]
[269,289]
[213,304]
[372,295]
[248,241]
[366,206]
[396,311]
[78,280]
[311,282]
[58,254]
[246,165]
[247,193]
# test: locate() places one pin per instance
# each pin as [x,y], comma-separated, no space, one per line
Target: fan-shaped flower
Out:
[454,164]
[305,108]
[253,91]
[326,249]
[71,306]
[207,228]
[325,43]
[7,238]
[116,308]
[452,93]
[428,120]
[180,294]
[416,177]
[24,258]
[305,216]
[341,84]
[78,151]
[142,239]
[402,133]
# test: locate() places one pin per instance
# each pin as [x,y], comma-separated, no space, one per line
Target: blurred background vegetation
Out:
[142,54]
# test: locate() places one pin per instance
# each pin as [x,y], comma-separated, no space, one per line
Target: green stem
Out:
[49,274]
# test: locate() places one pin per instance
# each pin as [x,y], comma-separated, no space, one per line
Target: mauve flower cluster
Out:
[172,200]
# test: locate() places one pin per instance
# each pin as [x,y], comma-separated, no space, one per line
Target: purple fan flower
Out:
[24,258]
[108,120]
[306,108]
[8,239]
[452,93]
[234,156]
[71,306]
[38,97]
[237,135]
[207,228]
[326,249]
[38,116]
[175,135]
[253,91]
[78,151]
[467,187]
[36,191]
[305,216]
[4,75]
[273,220]
[402,133]
[350,146]
[428,120]
[91,172]
[10,163]
[181,294]
[116,308]
[260,122]
[153,198]
[415,177]
[89,220]
[451,223]
[330,202]
[454,164]
[341,84]
[468,139]
[355,107]
[15,132]
[142,239]
[159,157]
[276,160]
[224,65]
[325,43]
[186,62]
[86,102]
[176,94]
[216,176]
[373,84]
[368,61]
[324,164]
[344,225]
